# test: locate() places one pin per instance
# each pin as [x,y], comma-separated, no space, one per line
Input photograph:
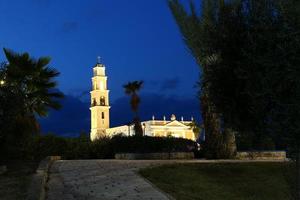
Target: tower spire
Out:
[98,60]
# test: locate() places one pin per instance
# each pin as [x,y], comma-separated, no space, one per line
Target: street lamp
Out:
[2,82]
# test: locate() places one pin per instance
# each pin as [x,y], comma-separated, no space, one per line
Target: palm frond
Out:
[35,80]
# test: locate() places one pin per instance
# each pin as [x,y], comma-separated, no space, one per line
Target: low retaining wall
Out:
[261,155]
[155,156]
[37,189]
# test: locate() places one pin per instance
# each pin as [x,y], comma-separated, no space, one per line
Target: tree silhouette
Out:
[33,81]
[131,89]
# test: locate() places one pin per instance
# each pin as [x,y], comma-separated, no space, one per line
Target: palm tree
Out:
[131,89]
[199,33]
[33,80]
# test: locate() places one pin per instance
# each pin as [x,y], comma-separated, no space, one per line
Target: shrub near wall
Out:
[39,147]
[147,144]
[77,148]
[102,149]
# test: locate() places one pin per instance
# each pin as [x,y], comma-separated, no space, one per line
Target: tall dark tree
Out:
[28,90]
[11,105]
[249,51]
[199,34]
[131,89]
[35,81]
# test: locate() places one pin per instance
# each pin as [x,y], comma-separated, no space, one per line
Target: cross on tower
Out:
[98,59]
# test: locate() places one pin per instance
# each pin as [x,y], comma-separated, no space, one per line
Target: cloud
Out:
[73,118]
[81,94]
[69,26]
[155,104]
[166,85]
[170,84]
[75,114]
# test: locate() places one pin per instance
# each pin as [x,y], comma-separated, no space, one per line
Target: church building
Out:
[100,115]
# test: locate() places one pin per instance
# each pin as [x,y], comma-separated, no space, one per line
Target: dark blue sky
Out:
[137,40]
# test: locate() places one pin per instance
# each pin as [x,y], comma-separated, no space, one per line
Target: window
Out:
[102,101]
[102,115]
[94,102]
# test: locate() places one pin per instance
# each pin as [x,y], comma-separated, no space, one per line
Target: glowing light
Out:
[2,82]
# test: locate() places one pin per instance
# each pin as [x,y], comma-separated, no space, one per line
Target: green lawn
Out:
[226,181]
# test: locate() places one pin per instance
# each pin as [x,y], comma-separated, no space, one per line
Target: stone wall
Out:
[155,156]
[261,155]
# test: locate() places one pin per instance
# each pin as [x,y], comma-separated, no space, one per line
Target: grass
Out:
[223,181]
[14,183]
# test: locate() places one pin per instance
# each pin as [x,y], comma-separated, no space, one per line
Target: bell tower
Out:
[99,102]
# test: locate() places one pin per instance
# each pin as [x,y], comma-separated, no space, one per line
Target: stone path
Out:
[101,179]
[109,179]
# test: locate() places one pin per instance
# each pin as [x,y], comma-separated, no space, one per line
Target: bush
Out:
[248,142]
[77,148]
[39,147]
[147,144]
[102,149]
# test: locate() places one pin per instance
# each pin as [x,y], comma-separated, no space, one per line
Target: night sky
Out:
[136,39]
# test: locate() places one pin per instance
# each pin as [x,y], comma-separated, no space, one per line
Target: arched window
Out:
[102,101]
[94,102]
[102,115]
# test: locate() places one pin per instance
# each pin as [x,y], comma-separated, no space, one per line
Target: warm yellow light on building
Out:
[99,102]
[100,109]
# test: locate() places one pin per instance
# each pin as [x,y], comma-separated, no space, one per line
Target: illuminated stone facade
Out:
[100,115]
[158,128]
[99,102]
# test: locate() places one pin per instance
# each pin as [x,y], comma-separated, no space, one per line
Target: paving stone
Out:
[108,179]
[100,179]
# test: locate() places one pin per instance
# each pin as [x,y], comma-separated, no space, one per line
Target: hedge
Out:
[39,147]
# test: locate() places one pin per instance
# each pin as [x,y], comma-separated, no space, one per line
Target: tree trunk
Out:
[229,143]
[298,174]
[138,127]
[213,139]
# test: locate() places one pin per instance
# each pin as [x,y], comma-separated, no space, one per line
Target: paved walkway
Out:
[101,179]
[108,179]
